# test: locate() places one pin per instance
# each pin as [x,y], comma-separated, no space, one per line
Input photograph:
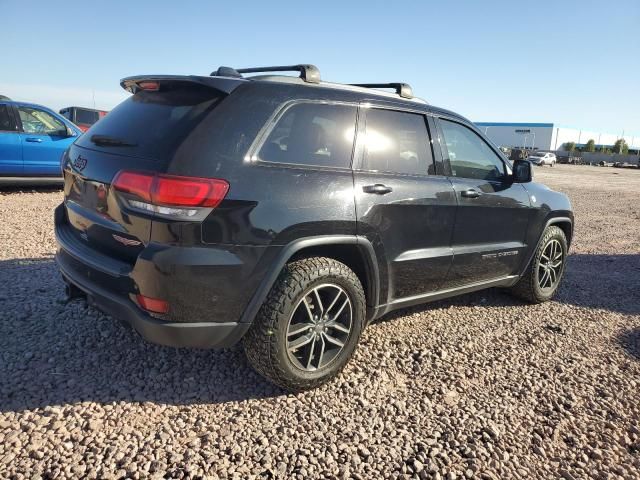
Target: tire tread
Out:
[260,342]
[526,289]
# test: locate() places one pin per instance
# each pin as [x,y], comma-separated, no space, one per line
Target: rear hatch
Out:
[136,143]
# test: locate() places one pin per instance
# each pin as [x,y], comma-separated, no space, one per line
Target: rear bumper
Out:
[189,283]
[173,334]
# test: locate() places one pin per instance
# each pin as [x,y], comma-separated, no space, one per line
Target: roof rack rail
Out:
[402,89]
[308,73]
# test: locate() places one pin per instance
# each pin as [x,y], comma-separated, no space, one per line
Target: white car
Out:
[543,158]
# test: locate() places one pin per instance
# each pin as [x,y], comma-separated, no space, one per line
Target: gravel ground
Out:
[482,386]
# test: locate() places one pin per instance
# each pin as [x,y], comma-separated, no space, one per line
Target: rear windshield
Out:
[152,125]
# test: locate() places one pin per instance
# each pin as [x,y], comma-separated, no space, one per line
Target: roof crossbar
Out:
[402,89]
[308,73]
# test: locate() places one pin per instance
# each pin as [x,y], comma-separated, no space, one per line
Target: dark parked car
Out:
[290,212]
[83,117]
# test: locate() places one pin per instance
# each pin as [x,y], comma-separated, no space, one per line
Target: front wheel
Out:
[542,278]
[309,326]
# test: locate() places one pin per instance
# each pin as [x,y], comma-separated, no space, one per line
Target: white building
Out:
[549,136]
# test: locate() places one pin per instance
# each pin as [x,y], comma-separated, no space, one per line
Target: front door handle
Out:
[378,189]
[470,193]
[34,140]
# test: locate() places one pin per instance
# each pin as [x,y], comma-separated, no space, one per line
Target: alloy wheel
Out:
[550,265]
[319,327]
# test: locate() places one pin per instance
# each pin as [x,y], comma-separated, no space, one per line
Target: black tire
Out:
[265,343]
[529,286]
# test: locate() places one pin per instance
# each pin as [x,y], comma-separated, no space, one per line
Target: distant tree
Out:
[620,146]
[591,146]
[569,146]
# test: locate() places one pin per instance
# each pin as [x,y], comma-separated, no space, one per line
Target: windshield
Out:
[152,124]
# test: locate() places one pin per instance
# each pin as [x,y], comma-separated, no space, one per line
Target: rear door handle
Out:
[470,193]
[378,189]
[34,140]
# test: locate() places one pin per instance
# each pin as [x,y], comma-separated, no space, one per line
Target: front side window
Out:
[469,155]
[312,134]
[39,122]
[397,142]
[6,122]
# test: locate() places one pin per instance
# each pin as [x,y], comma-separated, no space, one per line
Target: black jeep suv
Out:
[290,212]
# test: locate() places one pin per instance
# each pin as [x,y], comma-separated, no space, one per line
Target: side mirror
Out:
[522,172]
[70,132]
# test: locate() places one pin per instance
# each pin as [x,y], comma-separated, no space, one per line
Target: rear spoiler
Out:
[226,85]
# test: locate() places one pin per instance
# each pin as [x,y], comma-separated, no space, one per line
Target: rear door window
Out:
[6,119]
[312,134]
[152,124]
[397,142]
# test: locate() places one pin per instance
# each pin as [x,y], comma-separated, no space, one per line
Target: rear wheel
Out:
[309,326]
[543,275]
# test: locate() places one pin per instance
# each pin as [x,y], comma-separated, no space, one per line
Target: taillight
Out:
[138,184]
[189,191]
[170,194]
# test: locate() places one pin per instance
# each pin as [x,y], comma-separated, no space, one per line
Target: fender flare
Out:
[289,250]
[550,221]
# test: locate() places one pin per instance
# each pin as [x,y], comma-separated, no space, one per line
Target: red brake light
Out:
[172,190]
[138,184]
[189,191]
[149,86]
[152,304]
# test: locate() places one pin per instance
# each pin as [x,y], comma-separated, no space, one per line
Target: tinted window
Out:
[153,124]
[86,117]
[397,142]
[312,134]
[37,121]
[469,155]
[6,122]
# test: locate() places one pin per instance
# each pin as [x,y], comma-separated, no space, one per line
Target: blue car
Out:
[32,140]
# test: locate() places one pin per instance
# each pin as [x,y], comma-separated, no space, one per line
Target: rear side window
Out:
[152,124]
[397,142]
[6,121]
[312,134]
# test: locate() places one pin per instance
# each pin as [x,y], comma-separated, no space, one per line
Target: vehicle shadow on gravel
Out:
[630,341]
[608,282]
[55,353]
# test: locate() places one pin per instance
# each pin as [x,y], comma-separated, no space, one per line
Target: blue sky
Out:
[569,62]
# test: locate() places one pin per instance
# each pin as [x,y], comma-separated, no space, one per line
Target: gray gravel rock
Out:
[482,386]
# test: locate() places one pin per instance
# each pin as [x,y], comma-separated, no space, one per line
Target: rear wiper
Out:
[105,141]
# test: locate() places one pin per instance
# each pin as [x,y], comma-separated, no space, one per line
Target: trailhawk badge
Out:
[126,241]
